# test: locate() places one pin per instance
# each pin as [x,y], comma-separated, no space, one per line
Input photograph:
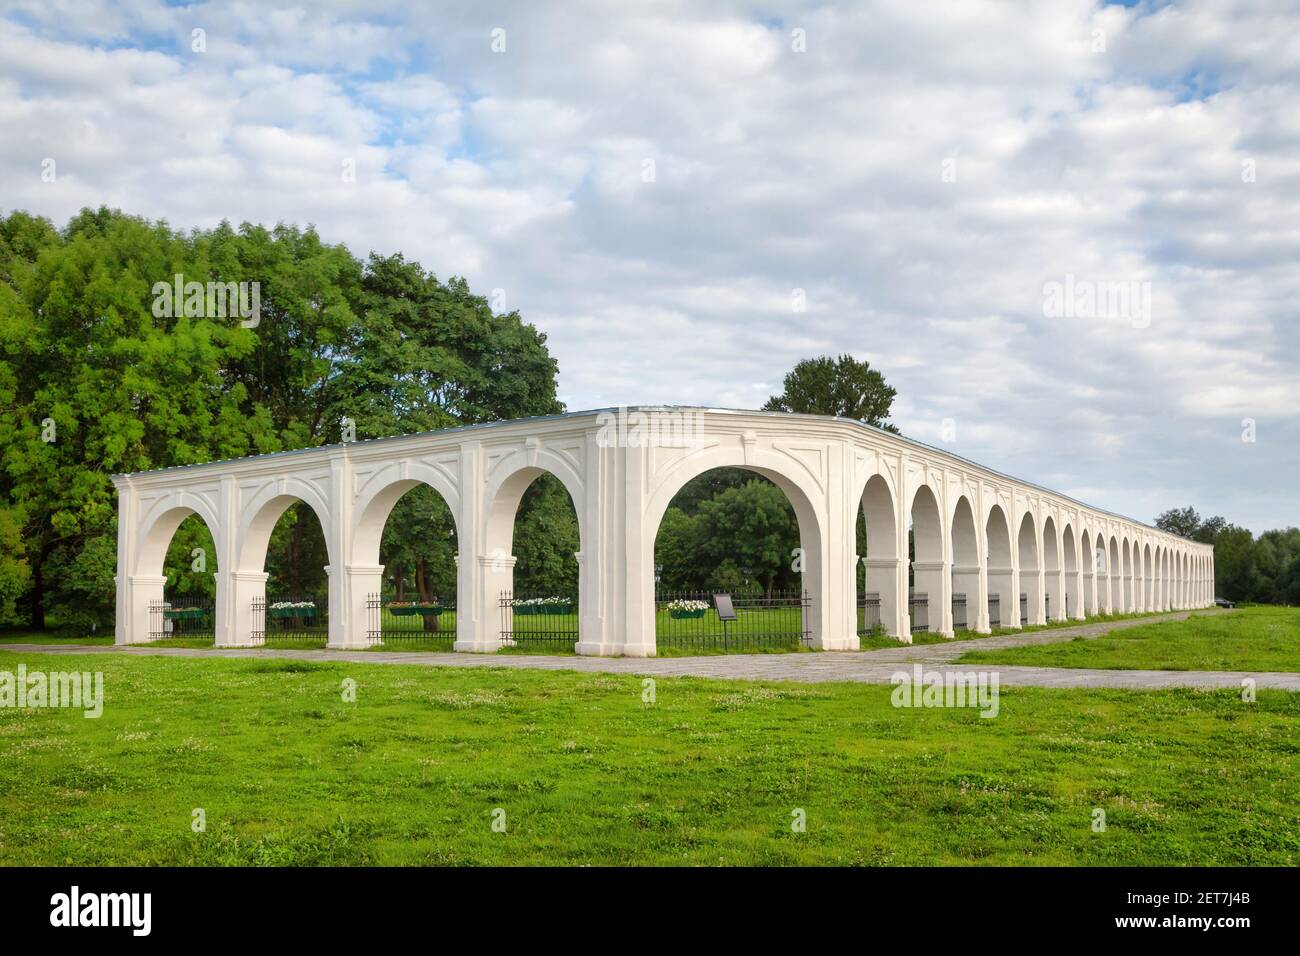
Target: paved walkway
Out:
[871,667]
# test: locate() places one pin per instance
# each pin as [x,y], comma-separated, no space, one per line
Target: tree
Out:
[93,383]
[1184,522]
[844,387]
[746,533]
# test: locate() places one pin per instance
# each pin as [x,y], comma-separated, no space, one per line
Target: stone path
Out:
[872,667]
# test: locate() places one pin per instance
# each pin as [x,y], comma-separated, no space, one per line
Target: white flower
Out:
[683,605]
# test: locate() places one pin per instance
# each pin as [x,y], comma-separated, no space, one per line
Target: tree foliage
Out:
[92,383]
[840,386]
[1264,570]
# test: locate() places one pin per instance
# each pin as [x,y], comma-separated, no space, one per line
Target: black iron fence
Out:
[869,614]
[995,610]
[772,621]
[959,611]
[295,620]
[194,618]
[426,623]
[918,609]
[539,621]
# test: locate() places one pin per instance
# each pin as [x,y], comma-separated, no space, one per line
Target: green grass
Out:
[1247,639]
[586,772]
[874,641]
[42,637]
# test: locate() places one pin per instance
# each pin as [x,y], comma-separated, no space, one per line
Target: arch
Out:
[374,507]
[1053,590]
[1004,605]
[882,564]
[784,472]
[1148,579]
[1030,571]
[260,514]
[501,504]
[1070,565]
[966,561]
[1126,555]
[929,564]
[511,477]
[160,525]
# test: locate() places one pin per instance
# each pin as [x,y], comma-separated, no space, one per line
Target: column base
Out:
[472,647]
[239,644]
[598,649]
[841,644]
[342,646]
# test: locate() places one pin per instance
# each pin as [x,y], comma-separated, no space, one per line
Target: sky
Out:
[1066,232]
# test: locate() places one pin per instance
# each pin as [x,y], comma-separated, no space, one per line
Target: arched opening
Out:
[534,548]
[282,567]
[1088,553]
[879,586]
[965,559]
[1114,578]
[1031,594]
[740,536]
[1070,564]
[1053,592]
[927,597]
[409,529]
[1148,575]
[1127,553]
[179,553]
[1164,578]
[1003,601]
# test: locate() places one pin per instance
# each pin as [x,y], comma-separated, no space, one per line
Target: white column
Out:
[835,624]
[245,588]
[352,584]
[901,588]
[134,592]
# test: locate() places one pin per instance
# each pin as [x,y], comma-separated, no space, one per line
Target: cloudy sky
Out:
[689,197]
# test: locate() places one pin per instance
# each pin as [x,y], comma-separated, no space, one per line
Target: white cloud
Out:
[773,170]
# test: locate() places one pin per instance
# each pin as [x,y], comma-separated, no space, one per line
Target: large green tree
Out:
[92,382]
[841,386]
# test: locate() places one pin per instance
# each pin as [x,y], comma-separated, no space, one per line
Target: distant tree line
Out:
[1264,570]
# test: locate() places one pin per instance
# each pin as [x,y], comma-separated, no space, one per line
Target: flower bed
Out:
[546,605]
[282,609]
[687,609]
[185,613]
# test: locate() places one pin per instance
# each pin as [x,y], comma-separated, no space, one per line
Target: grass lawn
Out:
[42,637]
[1247,639]
[287,772]
[873,641]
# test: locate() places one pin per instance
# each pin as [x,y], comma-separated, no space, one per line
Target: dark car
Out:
[1224,603]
